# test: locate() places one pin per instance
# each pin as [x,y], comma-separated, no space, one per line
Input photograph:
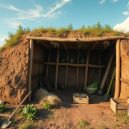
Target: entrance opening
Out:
[70,67]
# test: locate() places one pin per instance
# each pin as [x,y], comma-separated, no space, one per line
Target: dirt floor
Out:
[74,116]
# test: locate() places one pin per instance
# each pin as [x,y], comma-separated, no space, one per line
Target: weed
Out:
[2,107]
[104,127]
[126,119]
[14,39]
[83,124]
[26,125]
[47,105]
[29,112]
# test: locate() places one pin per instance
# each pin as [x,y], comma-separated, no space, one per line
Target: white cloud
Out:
[56,7]
[14,24]
[2,39]
[37,11]
[126,13]
[115,0]
[103,1]
[123,27]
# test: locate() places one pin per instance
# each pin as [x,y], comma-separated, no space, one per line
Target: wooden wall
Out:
[68,70]
[37,66]
[124,48]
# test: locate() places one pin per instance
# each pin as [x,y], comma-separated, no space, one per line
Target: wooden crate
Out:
[80,98]
[119,106]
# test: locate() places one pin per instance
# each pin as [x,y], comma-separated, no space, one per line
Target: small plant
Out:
[2,107]
[104,127]
[47,105]
[83,124]
[126,119]
[29,112]
[26,125]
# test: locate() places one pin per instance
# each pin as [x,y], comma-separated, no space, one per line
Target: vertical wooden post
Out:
[117,83]
[77,68]
[30,67]
[47,69]
[66,72]
[106,73]
[99,69]
[86,70]
[48,64]
[57,64]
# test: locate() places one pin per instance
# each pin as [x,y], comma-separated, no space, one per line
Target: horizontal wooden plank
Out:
[75,65]
[76,39]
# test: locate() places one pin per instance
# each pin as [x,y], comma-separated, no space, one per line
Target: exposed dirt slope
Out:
[13,72]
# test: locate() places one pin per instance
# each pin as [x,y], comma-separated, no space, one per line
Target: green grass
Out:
[47,106]
[83,124]
[26,125]
[14,39]
[96,30]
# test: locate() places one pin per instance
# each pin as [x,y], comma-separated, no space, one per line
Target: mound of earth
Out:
[13,72]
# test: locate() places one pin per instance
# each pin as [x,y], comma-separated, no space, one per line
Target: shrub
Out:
[13,39]
[47,105]
[2,107]
[83,124]
[29,112]
[26,125]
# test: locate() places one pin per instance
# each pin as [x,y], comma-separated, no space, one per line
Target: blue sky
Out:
[57,13]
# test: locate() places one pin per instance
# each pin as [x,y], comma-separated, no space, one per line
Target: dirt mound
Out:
[13,72]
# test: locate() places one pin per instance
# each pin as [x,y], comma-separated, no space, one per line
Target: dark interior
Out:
[67,67]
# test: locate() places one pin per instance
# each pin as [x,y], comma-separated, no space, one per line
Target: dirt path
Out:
[99,116]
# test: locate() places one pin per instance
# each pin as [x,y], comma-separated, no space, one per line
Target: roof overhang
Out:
[97,39]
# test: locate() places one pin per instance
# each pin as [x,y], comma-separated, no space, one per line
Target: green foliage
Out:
[47,106]
[126,119]
[26,125]
[29,112]
[2,107]
[14,39]
[98,30]
[104,127]
[83,124]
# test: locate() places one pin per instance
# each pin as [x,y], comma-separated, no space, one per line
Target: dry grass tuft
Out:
[43,96]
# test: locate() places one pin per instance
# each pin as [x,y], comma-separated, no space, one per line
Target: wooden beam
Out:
[66,71]
[47,68]
[117,83]
[77,68]
[30,65]
[86,70]
[106,73]
[75,65]
[99,69]
[76,40]
[56,74]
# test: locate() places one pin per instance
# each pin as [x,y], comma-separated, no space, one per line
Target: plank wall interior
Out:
[66,66]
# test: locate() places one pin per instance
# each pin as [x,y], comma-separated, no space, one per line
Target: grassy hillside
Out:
[96,30]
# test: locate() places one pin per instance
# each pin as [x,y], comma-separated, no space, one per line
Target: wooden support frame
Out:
[66,71]
[118,65]
[86,70]
[106,73]
[99,69]
[77,68]
[47,69]
[57,67]
[30,66]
